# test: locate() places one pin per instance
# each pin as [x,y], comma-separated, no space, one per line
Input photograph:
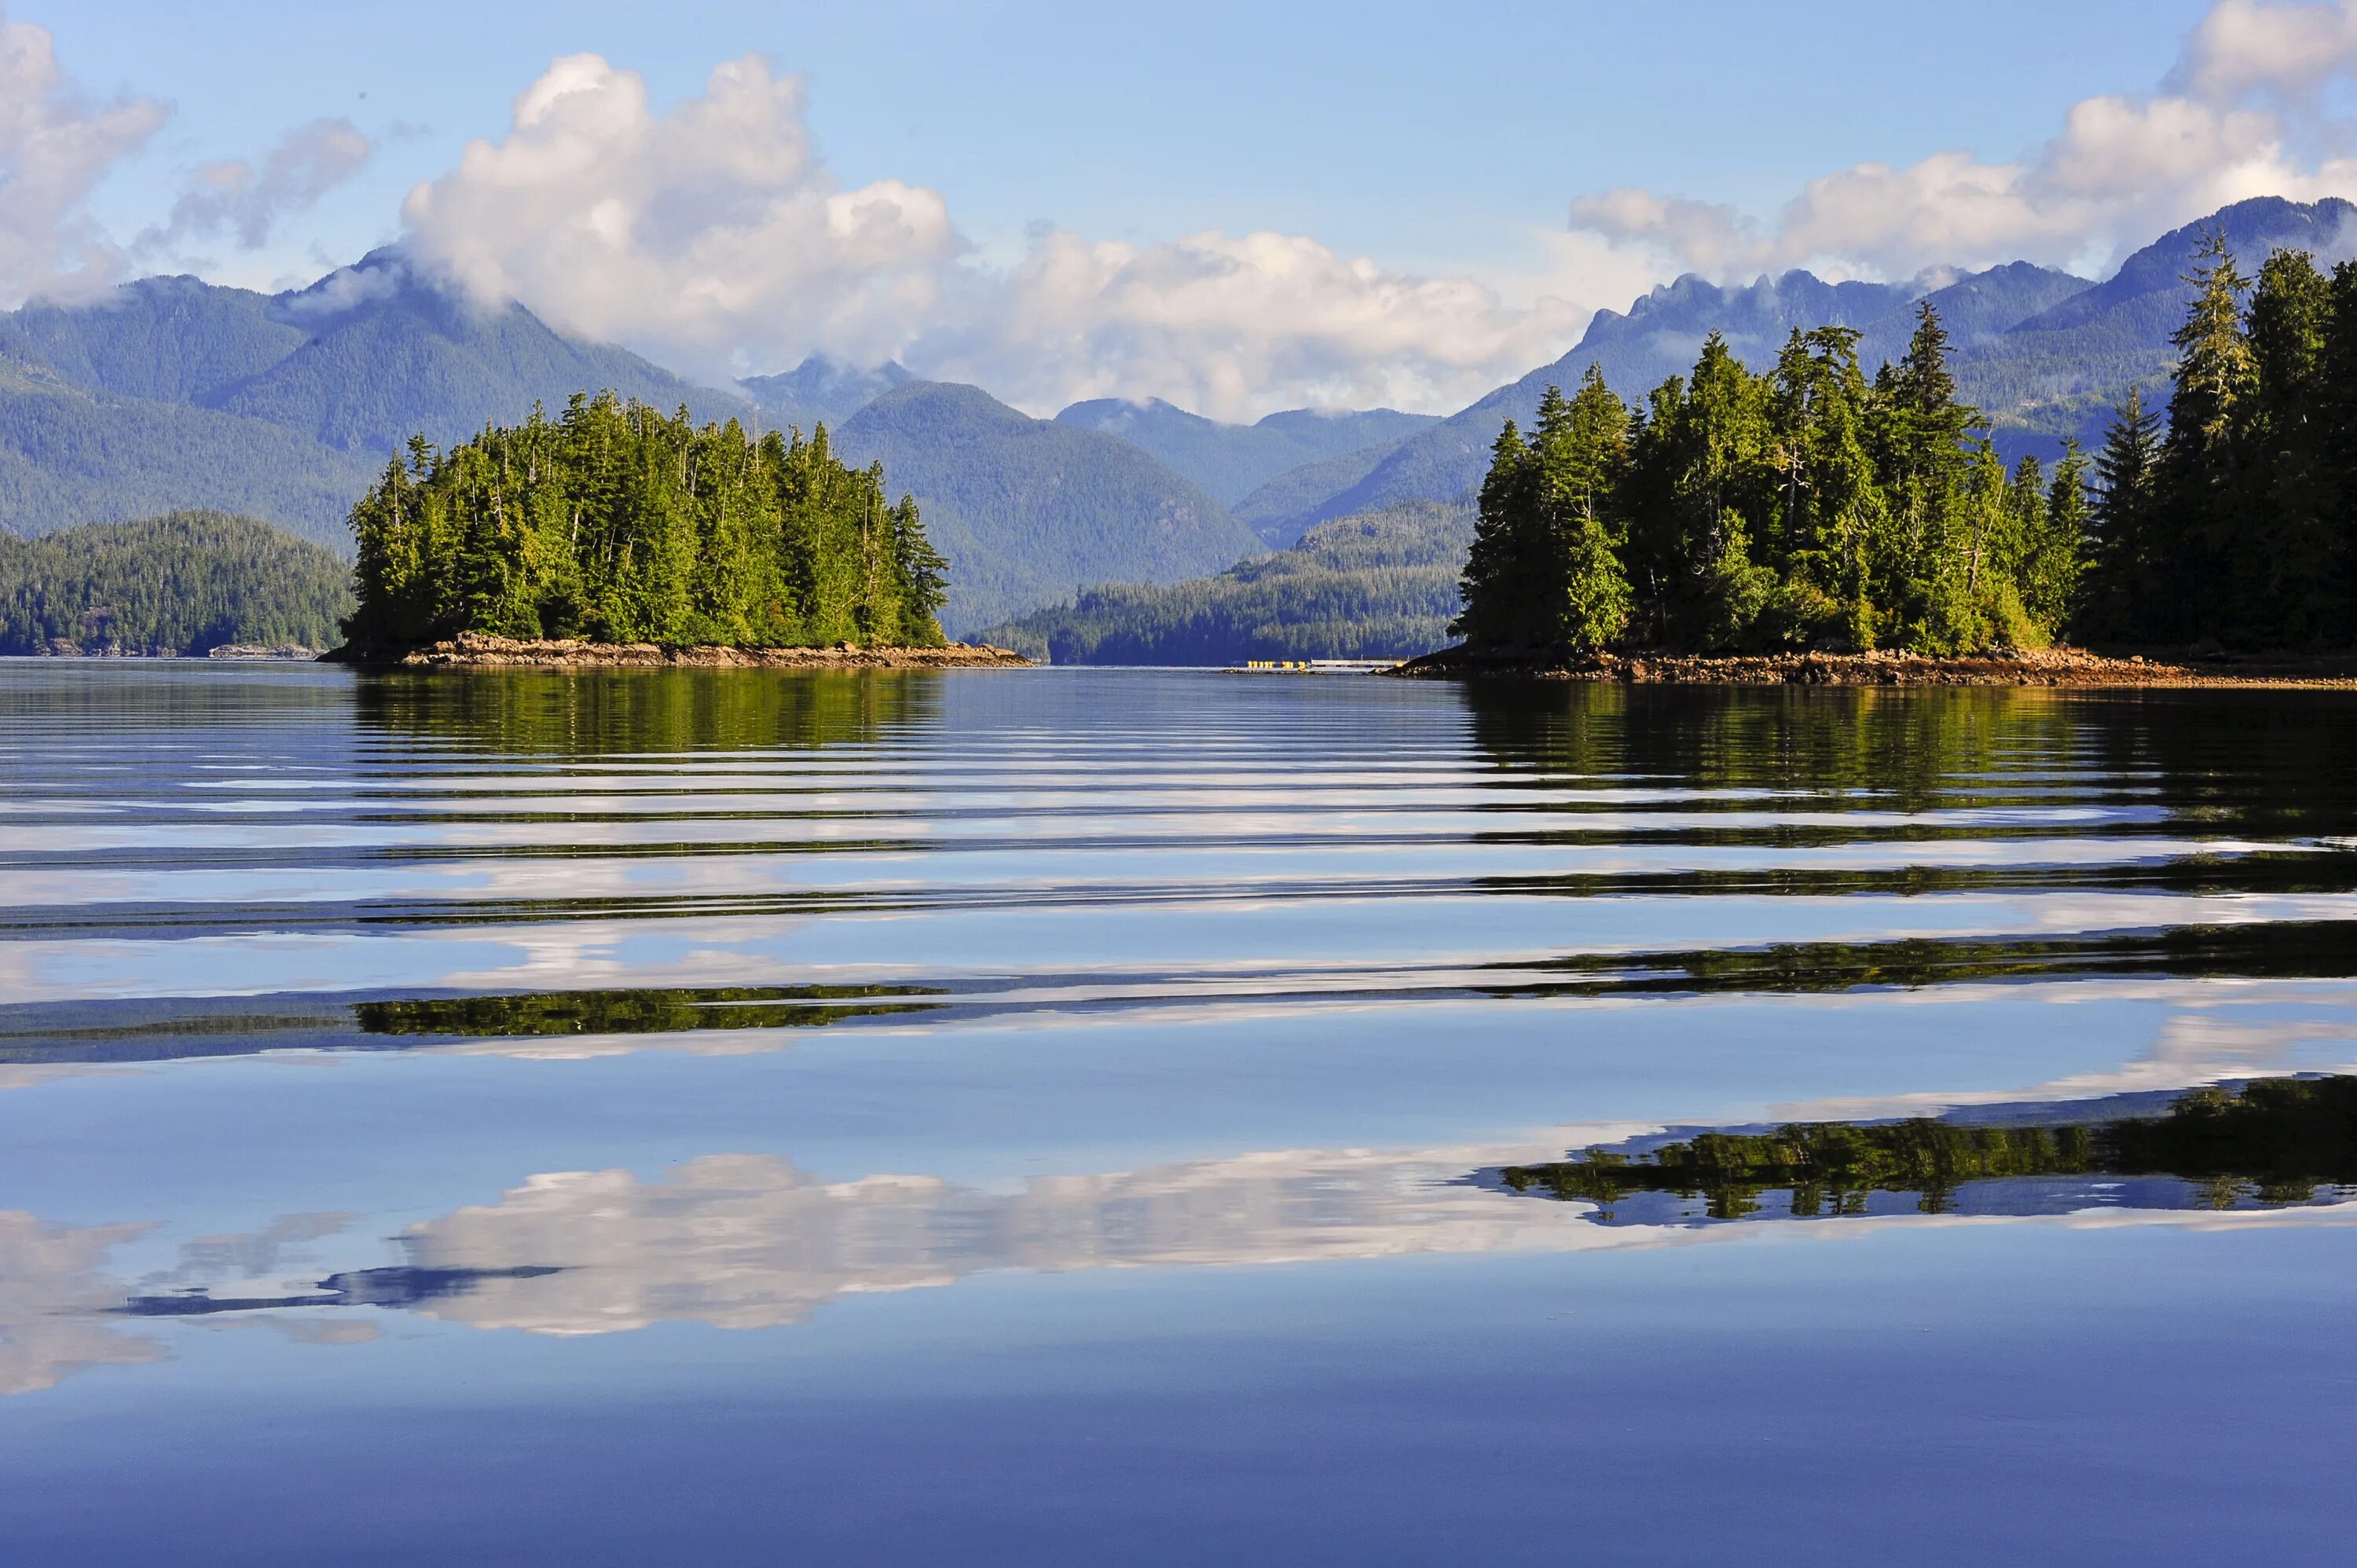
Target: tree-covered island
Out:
[1816,507]
[615,523]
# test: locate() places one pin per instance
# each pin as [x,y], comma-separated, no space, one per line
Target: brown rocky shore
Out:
[2012,667]
[475,651]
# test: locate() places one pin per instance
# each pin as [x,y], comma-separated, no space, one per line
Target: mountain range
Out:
[173,393]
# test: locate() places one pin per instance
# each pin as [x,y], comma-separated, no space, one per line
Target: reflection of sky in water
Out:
[1161,1236]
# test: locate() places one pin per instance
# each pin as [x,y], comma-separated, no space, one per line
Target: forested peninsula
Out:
[615,533]
[183,584]
[1815,509]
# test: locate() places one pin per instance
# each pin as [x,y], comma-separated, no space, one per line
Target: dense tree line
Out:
[618,523]
[1815,505]
[184,583]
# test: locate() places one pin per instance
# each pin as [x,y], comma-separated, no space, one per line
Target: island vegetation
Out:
[184,582]
[615,523]
[1816,507]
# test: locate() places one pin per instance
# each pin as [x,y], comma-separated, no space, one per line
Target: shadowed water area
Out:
[1096,1115]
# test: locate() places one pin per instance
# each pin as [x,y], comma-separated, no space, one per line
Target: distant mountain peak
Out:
[383,274]
[822,390]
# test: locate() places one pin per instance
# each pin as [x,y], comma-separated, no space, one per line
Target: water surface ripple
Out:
[1168,1117]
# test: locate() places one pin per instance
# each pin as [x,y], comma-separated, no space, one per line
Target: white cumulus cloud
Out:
[54,148]
[2241,114]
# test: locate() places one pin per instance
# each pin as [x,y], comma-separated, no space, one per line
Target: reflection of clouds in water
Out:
[208,1259]
[746,1241]
[49,1287]
[750,1242]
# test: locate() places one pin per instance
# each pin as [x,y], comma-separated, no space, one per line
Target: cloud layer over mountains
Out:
[709,233]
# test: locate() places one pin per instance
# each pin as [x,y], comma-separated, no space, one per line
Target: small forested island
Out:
[1817,523]
[616,534]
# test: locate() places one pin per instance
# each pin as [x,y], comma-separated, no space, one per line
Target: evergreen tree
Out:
[2285,579]
[1580,452]
[1832,528]
[2197,512]
[1703,482]
[2124,571]
[2334,435]
[1499,615]
[1943,501]
[2053,568]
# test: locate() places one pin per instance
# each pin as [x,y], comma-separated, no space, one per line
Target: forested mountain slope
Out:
[1379,585]
[69,454]
[184,583]
[1025,509]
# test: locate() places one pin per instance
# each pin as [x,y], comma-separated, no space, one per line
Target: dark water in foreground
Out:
[1099,1116]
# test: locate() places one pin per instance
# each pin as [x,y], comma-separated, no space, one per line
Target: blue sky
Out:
[1439,176]
[1380,127]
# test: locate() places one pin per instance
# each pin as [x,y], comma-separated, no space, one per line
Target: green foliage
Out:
[2238,527]
[616,523]
[184,583]
[1380,585]
[1808,507]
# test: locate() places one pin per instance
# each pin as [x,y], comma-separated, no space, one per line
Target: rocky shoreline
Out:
[2065,667]
[475,651]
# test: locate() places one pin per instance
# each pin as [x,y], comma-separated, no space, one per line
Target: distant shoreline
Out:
[2060,667]
[475,651]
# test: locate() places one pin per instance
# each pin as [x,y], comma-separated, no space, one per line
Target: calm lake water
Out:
[1111,1116]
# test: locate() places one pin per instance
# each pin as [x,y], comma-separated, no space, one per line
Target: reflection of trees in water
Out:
[599,712]
[2274,1141]
[2277,950]
[644,1010]
[1912,748]
[2261,760]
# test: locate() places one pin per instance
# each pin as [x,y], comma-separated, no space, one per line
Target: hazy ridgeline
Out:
[184,583]
[619,524]
[1813,506]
